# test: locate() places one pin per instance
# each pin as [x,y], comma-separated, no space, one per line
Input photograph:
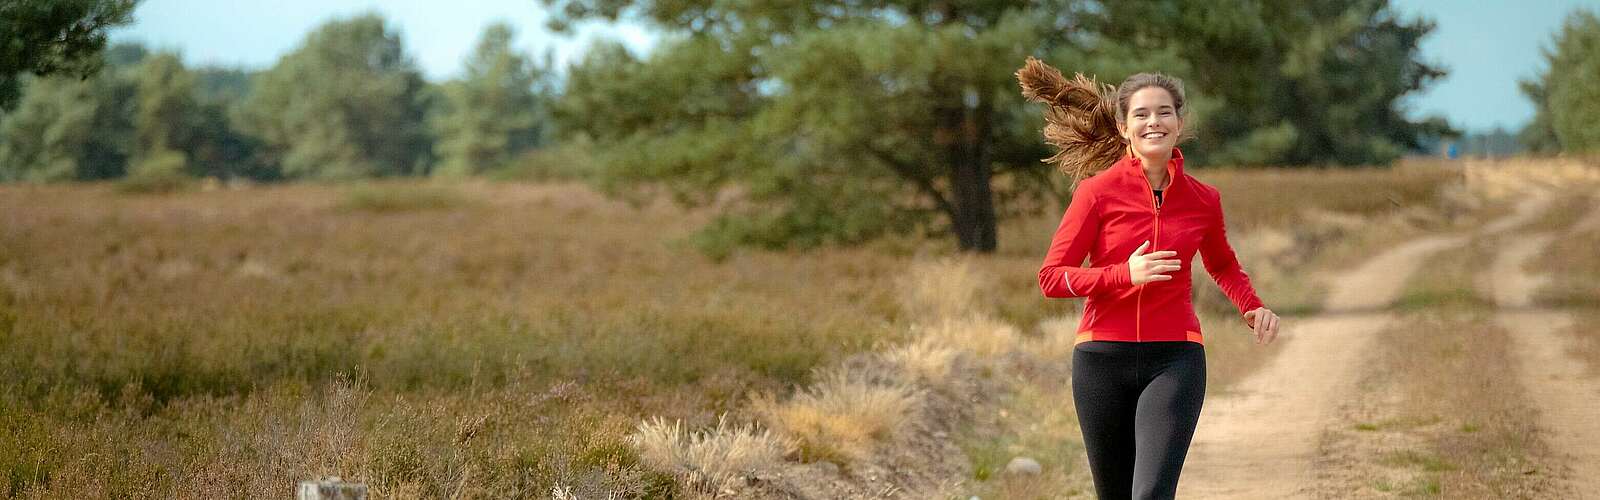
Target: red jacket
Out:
[1111,214]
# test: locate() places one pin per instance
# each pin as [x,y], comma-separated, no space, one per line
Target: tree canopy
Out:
[1567,90]
[44,37]
[67,127]
[494,112]
[1299,82]
[346,103]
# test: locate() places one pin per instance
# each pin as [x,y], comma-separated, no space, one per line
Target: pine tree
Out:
[831,122]
[1567,90]
[42,139]
[165,117]
[68,128]
[347,103]
[493,113]
[45,37]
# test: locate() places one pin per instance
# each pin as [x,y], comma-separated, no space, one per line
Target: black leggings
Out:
[1138,403]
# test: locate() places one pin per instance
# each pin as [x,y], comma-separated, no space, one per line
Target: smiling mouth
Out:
[1155,135]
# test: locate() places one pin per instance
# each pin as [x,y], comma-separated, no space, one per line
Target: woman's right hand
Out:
[1151,266]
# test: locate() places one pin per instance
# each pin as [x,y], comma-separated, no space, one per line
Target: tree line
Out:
[347,103]
[804,123]
[837,121]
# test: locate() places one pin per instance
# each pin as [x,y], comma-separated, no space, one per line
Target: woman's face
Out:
[1152,125]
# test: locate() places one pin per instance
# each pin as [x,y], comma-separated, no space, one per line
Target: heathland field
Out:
[541,340]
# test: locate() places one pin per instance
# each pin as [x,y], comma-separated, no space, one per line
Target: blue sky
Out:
[438,34]
[1487,45]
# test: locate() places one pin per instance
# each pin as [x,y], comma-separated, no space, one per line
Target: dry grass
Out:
[1037,421]
[160,336]
[1569,262]
[510,442]
[1586,345]
[402,196]
[1449,281]
[1575,278]
[711,459]
[1254,198]
[1567,208]
[982,335]
[841,418]
[926,361]
[1496,180]
[941,289]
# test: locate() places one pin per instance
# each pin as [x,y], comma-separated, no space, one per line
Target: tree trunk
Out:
[974,217]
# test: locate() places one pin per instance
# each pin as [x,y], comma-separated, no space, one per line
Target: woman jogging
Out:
[1138,365]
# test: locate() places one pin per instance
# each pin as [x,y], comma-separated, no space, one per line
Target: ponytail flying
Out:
[1080,121]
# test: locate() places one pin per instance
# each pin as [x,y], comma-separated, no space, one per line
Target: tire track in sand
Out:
[1566,399]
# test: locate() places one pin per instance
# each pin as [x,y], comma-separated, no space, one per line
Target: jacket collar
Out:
[1131,165]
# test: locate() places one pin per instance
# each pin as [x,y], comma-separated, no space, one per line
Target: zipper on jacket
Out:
[1138,303]
[1155,243]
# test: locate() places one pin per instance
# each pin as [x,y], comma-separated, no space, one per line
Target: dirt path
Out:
[1259,441]
[1534,202]
[1591,221]
[1567,401]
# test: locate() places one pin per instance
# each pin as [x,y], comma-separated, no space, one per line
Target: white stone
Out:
[331,488]
[1024,466]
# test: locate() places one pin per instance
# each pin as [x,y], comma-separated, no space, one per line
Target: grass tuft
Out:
[841,418]
[925,361]
[710,459]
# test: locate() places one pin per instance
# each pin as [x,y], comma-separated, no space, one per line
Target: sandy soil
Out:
[1567,401]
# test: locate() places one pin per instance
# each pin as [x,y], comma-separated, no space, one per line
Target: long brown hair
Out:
[1082,115]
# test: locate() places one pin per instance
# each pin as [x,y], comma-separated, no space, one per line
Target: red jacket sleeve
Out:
[1225,269]
[1061,276]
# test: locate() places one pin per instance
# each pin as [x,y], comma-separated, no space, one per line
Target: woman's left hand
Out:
[1264,323]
